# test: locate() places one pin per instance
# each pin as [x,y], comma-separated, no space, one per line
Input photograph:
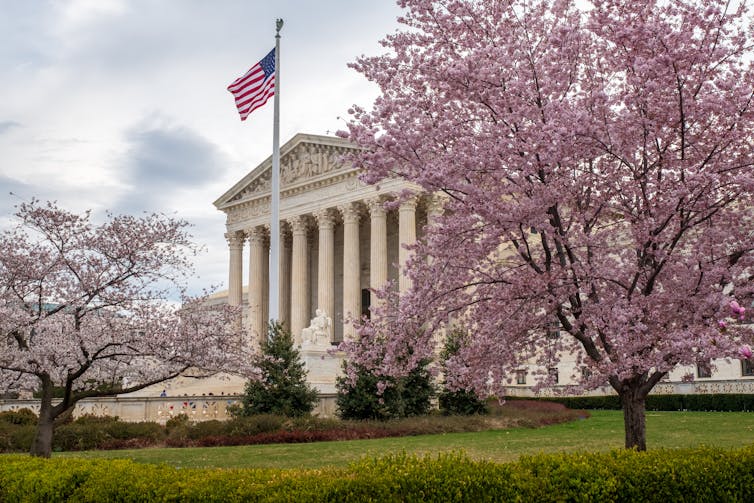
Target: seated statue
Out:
[319,332]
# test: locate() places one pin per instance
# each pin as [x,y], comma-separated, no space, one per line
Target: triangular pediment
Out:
[304,159]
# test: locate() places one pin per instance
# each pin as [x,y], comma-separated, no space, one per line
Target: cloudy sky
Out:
[122,104]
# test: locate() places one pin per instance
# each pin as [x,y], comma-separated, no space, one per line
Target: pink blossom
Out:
[622,135]
[745,352]
[738,310]
[83,307]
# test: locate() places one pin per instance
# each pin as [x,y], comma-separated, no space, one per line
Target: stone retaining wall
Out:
[160,409]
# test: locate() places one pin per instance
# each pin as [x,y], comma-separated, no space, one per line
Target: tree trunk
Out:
[633,402]
[42,444]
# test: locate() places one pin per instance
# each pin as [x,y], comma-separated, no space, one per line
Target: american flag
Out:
[254,88]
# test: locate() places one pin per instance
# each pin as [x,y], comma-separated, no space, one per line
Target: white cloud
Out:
[122,104]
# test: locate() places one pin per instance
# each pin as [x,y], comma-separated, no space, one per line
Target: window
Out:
[747,367]
[703,370]
[552,372]
[520,377]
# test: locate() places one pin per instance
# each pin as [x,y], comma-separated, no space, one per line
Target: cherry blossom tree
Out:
[596,166]
[83,310]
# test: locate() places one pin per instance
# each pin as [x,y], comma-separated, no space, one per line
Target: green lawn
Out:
[603,431]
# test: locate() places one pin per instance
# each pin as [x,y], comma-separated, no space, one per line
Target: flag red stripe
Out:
[246,80]
[258,100]
[264,88]
[246,91]
[254,88]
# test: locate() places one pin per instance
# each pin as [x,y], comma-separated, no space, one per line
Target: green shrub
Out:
[22,437]
[86,419]
[6,431]
[16,438]
[404,397]
[252,425]
[207,428]
[312,423]
[177,421]
[699,475]
[719,402]
[143,430]
[20,416]
[78,437]
[93,432]
[282,388]
[461,402]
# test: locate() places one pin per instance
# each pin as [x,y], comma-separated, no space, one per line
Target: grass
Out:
[602,432]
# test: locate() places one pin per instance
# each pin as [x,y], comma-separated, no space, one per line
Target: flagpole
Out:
[275,195]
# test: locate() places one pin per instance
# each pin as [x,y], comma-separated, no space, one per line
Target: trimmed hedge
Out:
[662,475]
[720,402]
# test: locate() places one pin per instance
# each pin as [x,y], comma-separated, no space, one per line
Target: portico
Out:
[338,240]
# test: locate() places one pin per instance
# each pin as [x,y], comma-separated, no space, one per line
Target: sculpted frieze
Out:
[262,183]
[243,213]
[310,160]
[307,161]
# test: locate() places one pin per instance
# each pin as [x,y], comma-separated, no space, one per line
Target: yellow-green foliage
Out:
[662,475]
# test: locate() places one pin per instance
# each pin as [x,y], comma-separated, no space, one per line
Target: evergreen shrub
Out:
[282,388]
[403,397]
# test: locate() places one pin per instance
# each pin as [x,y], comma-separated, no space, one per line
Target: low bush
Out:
[461,402]
[713,402]
[207,429]
[699,475]
[177,421]
[251,425]
[91,432]
[20,416]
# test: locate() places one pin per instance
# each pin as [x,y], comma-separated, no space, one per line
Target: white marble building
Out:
[337,241]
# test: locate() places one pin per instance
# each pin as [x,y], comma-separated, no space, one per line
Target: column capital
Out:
[376,208]
[351,212]
[325,218]
[409,204]
[299,224]
[256,234]
[235,239]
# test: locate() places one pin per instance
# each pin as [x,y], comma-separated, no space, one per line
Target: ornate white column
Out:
[285,275]
[257,282]
[351,268]
[406,236]
[235,276]
[326,264]
[299,278]
[377,245]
